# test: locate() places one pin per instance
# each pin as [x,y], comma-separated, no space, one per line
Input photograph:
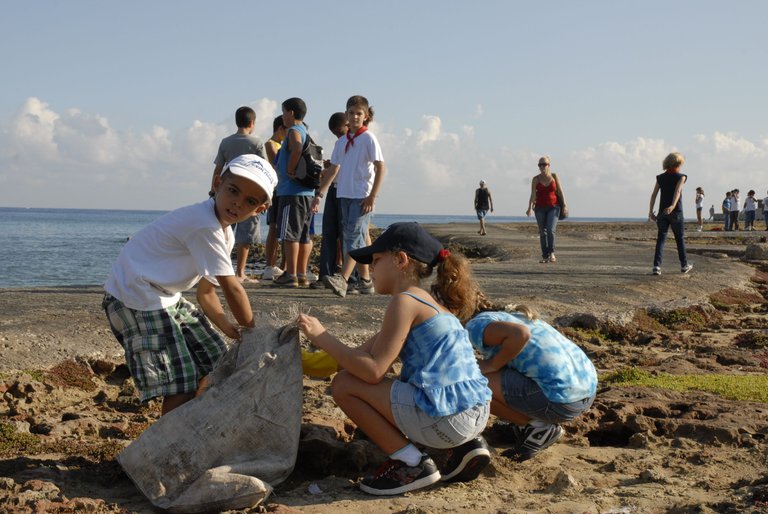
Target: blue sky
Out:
[122,105]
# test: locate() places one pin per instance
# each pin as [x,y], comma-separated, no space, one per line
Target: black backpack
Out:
[310,164]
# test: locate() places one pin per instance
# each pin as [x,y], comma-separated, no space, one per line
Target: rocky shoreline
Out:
[694,443]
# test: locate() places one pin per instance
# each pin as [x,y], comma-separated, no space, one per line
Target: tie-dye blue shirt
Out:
[560,368]
[439,361]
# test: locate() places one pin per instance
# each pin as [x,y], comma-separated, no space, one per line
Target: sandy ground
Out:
[69,406]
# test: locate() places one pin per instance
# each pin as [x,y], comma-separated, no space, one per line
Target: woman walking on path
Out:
[670,183]
[548,202]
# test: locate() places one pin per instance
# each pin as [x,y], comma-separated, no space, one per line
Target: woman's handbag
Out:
[560,201]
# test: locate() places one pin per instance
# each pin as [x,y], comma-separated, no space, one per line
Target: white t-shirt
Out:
[169,256]
[699,201]
[750,204]
[765,203]
[355,179]
[735,203]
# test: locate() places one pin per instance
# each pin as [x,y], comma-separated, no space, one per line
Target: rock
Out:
[651,475]
[87,505]
[7,484]
[279,508]
[103,368]
[22,427]
[757,252]
[412,508]
[578,320]
[564,483]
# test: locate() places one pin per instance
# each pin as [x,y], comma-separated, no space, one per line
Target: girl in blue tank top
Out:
[539,378]
[441,399]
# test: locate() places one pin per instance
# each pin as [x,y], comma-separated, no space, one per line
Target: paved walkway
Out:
[595,272]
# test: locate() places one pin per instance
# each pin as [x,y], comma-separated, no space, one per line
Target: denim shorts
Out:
[524,395]
[435,432]
[354,224]
[481,213]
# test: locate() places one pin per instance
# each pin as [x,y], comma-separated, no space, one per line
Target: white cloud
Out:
[71,158]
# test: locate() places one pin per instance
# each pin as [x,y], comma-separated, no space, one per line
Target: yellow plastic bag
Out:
[318,364]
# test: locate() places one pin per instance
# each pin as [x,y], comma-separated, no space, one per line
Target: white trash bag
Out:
[225,449]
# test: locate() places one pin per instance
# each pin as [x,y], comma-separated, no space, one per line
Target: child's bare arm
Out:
[512,338]
[380,170]
[295,146]
[214,311]
[237,300]
[328,174]
[372,360]
[651,215]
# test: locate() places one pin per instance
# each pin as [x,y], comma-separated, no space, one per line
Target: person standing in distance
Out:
[670,183]
[483,202]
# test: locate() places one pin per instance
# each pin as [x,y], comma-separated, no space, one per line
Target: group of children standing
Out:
[731,210]
[528,374]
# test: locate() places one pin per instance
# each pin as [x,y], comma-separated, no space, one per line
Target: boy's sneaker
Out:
[271,273]
[319,284]
[686,268]
[338,285]
[396,477]
[286,280]
[531,440]
[465,462]
[311,276]
[365,286]
[656,270]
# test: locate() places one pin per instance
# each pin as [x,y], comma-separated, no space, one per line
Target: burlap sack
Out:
[226,449]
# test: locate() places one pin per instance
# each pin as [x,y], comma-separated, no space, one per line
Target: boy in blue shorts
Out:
[169,344]
[359,163]
[294,210]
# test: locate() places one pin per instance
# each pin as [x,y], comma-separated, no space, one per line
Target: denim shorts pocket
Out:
[149,361]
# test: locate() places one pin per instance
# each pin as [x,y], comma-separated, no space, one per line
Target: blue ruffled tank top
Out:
[439,361]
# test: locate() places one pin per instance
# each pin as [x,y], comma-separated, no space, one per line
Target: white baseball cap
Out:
[482,182]
[256,169]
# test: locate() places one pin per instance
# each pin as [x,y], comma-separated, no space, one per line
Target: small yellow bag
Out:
[318,364]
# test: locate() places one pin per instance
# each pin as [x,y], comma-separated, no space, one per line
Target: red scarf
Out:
[351,139]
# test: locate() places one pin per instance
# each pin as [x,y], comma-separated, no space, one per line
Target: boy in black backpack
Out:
[294,210]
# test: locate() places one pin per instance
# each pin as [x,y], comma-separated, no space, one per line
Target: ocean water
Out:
[65,247]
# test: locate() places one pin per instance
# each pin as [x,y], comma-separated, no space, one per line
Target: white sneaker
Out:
[656,270]
[311,277]
[686,268]
[271,273]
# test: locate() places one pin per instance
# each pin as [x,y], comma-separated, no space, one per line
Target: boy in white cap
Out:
[169,344]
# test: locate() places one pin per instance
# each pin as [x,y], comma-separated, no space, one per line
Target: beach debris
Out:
[564,483]
[228,447]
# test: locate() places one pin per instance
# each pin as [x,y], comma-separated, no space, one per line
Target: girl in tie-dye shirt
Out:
[539,378]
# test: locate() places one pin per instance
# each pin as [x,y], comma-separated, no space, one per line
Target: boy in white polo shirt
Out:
[358,161]
[169,344]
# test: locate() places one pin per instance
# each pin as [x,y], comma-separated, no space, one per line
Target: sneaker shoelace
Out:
[386,468]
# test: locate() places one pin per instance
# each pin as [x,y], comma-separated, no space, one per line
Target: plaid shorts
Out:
[168,350]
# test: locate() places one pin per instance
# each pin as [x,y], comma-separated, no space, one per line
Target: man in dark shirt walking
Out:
[483,202]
